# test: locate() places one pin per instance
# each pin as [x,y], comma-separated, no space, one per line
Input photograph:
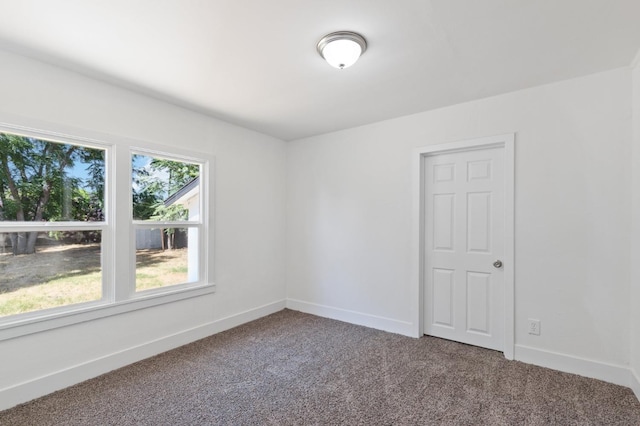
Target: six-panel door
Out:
[464,226]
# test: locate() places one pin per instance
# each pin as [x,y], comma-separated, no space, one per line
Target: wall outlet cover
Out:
[534,327]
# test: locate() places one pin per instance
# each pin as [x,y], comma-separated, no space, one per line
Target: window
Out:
[166,204]
[51,223]
[60,206]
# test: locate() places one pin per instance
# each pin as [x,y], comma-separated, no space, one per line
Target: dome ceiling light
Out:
[342,48]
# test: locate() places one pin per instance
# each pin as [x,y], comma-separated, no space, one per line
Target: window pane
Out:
[65,269]
[50,181]
[166,257]
[167,190]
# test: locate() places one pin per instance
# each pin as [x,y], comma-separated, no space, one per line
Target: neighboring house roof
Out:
[182,195]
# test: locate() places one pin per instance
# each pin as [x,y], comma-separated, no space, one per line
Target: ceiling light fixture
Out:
[342,48]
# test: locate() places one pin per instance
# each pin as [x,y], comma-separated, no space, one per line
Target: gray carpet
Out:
[297,369]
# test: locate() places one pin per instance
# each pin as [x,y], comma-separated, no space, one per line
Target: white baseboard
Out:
[26,391]
[353,317]
[616,374]
[244,317]
[635,383]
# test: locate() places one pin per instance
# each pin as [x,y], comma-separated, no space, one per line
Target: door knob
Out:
[497,264]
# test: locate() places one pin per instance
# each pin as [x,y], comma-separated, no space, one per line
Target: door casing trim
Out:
[507,143]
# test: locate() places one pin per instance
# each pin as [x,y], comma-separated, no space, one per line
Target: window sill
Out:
[10,329]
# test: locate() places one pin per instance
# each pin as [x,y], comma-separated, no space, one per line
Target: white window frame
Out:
[152,224]
[118,284]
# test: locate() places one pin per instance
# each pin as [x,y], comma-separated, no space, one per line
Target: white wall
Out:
[635,228]
[248,240]
[349,212]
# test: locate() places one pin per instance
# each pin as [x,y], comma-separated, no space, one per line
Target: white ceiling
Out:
[254,62]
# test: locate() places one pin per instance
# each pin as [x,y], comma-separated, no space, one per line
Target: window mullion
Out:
[165,224]
[123,251]
[51,226]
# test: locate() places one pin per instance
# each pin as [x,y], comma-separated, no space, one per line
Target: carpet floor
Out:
[292,368]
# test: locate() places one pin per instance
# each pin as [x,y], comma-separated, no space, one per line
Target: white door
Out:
[463,245]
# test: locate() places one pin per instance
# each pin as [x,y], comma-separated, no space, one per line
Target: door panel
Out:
[443,221]
[464,227]
[479,302]
[479,222]
[443,293]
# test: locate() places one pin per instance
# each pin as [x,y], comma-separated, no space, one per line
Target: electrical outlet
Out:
[534,327]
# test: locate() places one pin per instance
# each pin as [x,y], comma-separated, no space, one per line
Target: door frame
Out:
[507,143]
